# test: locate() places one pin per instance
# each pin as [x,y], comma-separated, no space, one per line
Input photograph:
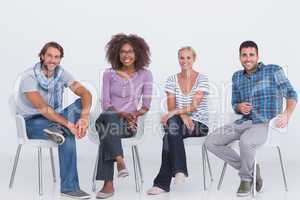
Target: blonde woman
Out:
[187,116]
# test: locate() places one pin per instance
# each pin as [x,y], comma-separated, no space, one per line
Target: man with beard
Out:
[257,95]
[40,102]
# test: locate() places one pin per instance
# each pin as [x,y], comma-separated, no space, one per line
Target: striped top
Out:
[183,100]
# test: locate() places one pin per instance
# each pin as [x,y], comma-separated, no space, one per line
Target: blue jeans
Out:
[67,151]
[173,151]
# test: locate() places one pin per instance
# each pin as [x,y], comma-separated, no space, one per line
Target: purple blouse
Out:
[125,95]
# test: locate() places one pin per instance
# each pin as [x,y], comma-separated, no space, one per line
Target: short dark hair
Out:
[139,45]
[53,45]
[247,44]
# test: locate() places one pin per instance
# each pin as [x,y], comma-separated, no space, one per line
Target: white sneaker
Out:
[123,173]
[102,195]
[179,178]
[155,191]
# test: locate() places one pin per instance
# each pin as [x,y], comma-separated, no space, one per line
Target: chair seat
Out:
[131,141]
[40,143]
[194,140]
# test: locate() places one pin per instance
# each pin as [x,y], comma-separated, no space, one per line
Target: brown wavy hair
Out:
[139,45]
[53,45]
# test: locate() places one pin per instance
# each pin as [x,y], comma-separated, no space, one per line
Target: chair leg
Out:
[12,177]
[139,163]
[95,171]
[254,179]
[40,171]
[52,165]
[204,167]
[282,169]
[135,169]
[208,164]
[222,175]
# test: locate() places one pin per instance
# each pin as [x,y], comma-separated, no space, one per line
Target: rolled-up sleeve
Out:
[147,89]
[284,84]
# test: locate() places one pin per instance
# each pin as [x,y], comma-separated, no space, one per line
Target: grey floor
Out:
[26,180]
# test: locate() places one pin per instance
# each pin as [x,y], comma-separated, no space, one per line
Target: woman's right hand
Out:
[127,116]
[188,122]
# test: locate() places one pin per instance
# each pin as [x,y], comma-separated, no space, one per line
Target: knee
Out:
[209,143]
[109,117]
[246,144]
[173,128]
[78,103]
[174,120]
[173,123]
[75,108]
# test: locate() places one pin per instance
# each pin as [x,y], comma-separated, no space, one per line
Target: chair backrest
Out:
[274,133]
[19,120]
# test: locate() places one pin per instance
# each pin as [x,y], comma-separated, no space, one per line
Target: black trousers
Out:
[173,152]
[111,128]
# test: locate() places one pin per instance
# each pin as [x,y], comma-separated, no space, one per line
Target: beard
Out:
[251,67]
[49,68]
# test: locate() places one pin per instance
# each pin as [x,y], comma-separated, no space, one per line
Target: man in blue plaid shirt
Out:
[257,95]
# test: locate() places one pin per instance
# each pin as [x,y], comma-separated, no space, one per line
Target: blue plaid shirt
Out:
[264,89]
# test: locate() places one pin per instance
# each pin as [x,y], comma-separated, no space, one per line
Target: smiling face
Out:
[249,58]
[127,55]
[51,58]
[186,59]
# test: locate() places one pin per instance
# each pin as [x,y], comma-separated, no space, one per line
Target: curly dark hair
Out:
[139,45]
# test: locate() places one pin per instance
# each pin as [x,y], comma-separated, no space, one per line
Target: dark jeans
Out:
[111,128]
[67,151]
[173,151]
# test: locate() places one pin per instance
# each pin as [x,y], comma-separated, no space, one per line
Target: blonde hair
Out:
[189,48]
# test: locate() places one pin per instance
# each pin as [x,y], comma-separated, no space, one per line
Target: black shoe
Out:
[259,180]
[55,134]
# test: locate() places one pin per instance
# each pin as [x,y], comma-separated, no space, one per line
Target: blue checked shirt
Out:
[264,89]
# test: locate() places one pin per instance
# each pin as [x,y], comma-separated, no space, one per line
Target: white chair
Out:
[23,140]
[39,144]
[273,141]
[198,141]
[213,107]
[131,142]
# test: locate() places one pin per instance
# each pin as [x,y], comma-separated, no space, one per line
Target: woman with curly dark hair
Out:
[124,84]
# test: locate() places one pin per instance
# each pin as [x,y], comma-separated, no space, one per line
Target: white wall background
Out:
[214,28]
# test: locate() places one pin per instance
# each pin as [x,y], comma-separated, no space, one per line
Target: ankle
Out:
[121,165]
[107,188]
